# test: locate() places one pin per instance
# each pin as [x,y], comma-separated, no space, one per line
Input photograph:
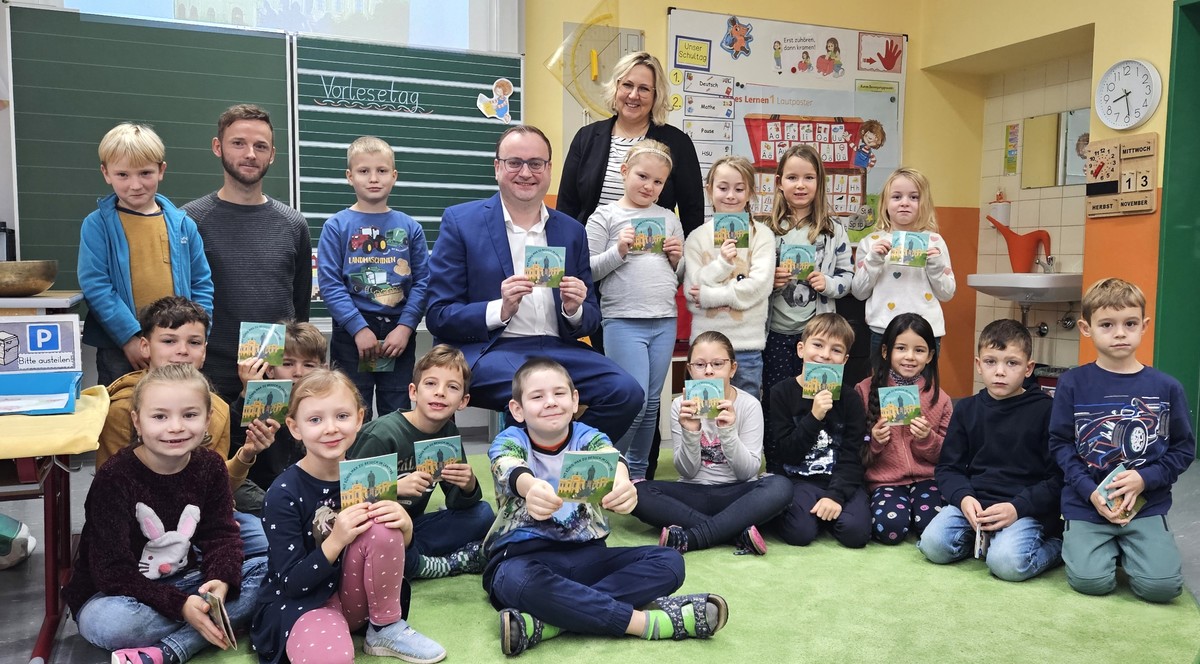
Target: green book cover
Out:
[266,399]
[899,405]
[432,455]
[799,259]
[734,225]
[709,392]
[368,480]
[909,248]
[649,233]
[261,340]
[545,266]
[819,377]
[587,477]
[377,365]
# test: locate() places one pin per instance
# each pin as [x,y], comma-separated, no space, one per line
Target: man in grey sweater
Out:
[259,249]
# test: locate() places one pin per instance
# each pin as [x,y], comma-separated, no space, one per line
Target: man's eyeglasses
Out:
[513,165]
[717,365]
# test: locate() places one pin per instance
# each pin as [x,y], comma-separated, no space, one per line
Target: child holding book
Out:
[891,288]
[728,288]
[817,445]
[637,289]
[801,215]
[448,541]
[899,459]
[372,269]
[719,496]
[134,249]
[549,569]
[159,533]
[1111,414]
[332,570]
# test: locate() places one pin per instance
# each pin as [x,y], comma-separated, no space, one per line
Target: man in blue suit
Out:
[481,301]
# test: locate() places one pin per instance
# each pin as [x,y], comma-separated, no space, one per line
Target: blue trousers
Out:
[798,526]
[749,373]
[1018,552]
[116,622]
[642,347]
[445,531]
[716,513]
[388,388]
[612,396]
[587,588]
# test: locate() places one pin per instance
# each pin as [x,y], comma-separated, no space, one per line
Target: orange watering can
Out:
[1022,249]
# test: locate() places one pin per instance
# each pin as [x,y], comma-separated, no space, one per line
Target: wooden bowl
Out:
[25,278]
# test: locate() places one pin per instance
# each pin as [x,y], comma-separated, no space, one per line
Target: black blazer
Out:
[587,160]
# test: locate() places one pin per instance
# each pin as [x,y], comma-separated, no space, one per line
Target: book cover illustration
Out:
[899,405]
[909,248]
[1102,489]
[709,392]
[266,399]
[983,539]
[368,480]
[734,225]
[378,364]
[220,617]
[649,234]
[819,377]
[432,455]
[545,266]
[263,341]
[587,476]
[799,259]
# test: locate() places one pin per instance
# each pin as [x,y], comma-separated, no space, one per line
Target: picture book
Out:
[709,392]
[220,618]
[1102,489]
[368,480]
[909,248]
[899,405]
[799,259]
[734,225]
[545,266]
[819,377]
[261,340]
[983,539]
[432,455]
[649,234]
[587,476]
[266,399]
[377,365]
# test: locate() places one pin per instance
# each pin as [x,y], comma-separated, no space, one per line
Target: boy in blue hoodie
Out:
[135,249]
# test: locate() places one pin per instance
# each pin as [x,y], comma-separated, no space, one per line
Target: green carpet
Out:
[825,603]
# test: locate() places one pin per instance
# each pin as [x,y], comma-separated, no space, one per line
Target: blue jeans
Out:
[642,347]
[254,540]
[586,588]
[113,623]
[388,388]
[1019,552]
[749,373]
[713,513]
[446,531]
[1147,551]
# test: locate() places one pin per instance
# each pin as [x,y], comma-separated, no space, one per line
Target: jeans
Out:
[1147,551]
[254,540]
[1018,552]
[749,373]
[586,588]
[388,388]
[715,513]
[446,531]
[642,347]
[116,622]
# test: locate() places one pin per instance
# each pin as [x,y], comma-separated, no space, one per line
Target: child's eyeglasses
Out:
[717,365]
[513,165]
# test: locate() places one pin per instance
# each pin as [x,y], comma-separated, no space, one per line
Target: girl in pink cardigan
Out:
[899,459]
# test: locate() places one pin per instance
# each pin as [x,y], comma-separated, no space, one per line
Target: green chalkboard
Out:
[423,102]
[76,75]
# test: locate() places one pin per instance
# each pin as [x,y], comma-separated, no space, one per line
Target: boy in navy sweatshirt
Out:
[1111,413]
[995,470]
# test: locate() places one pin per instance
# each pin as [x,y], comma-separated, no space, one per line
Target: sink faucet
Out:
[1047,265]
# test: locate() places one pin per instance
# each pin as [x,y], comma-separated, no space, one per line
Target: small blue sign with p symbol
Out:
[44,338]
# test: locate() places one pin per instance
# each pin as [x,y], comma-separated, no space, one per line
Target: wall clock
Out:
[1128,94]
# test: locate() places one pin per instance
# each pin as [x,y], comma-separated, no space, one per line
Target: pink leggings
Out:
[372,573]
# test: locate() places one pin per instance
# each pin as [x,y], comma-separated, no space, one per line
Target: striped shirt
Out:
[614,186]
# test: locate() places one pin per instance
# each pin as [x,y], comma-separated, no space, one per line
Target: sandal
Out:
[513,640]
[674,606]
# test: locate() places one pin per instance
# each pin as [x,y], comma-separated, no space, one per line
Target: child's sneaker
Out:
[402,642]
[750,541]
[16,544]
[674,537]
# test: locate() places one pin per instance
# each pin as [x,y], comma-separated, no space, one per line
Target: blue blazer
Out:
[470,259]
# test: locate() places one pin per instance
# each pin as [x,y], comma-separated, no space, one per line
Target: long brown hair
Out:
[782,220]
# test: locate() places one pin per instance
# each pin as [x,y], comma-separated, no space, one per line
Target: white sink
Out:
[1029,287]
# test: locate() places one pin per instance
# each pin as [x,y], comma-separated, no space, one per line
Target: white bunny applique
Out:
[167,550]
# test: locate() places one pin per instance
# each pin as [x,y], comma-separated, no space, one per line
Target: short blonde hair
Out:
[445,357]
[662,101]
[652,148]
[369,145]
[1111,293]
[305,341]
[830,325]
[319,383]
[926,217]
[132,141]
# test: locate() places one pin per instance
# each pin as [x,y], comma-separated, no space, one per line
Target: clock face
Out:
[1128,94]
[1101,165]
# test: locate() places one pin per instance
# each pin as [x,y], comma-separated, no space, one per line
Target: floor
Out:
[21,587]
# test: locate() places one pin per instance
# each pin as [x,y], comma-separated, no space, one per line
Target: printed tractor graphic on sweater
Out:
[369,239]
[373,281]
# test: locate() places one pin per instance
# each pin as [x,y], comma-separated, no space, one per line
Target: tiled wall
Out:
[1055,86]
